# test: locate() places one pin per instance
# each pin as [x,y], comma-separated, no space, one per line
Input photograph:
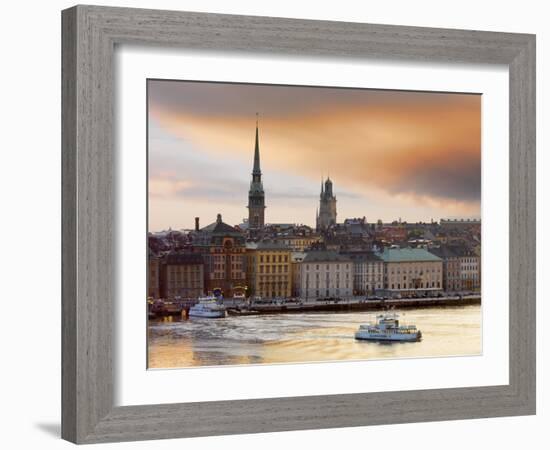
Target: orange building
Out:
[224,254]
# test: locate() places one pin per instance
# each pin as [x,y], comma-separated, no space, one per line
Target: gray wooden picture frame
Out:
[90,34]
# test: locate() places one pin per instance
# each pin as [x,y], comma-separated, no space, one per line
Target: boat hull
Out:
[207,314]
[412,337]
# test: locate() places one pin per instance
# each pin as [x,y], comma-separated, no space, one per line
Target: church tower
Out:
[256,197]
[327,207]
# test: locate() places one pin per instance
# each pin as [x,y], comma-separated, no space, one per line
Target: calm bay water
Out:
[293,338]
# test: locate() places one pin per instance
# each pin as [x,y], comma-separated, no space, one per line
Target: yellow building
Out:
[269,272]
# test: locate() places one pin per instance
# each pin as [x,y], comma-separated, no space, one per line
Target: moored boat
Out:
[207,307]
[244,311]
[387,328]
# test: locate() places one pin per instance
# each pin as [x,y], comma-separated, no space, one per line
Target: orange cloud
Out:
[429,152]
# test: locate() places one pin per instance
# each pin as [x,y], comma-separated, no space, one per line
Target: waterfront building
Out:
[326,215]
[223,251]
[326,274]
[269,272]
[451,267]
[182,275]
[153,275]
[296,259]
[256,195]
[368,272]
[410,270]
[470,269]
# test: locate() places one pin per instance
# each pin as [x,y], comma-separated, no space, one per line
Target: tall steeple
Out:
[256,196]
[326,216]
[256,170]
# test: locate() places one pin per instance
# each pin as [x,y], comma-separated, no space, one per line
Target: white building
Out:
[409,270]
[368,272]
[470,270]
[326,274]
[296,259]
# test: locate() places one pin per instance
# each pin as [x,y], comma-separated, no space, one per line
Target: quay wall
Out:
[335,305]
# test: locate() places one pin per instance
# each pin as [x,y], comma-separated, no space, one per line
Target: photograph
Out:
[292,224]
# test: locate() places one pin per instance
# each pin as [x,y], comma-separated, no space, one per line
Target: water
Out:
[294,338]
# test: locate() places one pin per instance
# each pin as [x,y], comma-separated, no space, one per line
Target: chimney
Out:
[197,224]
[219,218]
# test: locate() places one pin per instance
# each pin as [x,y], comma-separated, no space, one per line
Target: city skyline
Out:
[391,154]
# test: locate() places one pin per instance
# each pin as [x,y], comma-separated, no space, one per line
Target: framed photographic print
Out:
[311,224]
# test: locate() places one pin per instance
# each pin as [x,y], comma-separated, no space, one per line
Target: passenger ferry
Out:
[388,329]
[207,307]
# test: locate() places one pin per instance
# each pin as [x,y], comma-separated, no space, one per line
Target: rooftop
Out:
[325,256]
[266,245]
[363,256]
[407,255]
[220,227]
[183,258]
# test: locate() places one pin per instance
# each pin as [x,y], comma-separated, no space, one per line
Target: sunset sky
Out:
[390,154]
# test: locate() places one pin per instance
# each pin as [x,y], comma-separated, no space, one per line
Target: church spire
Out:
[256,170]
[256,196]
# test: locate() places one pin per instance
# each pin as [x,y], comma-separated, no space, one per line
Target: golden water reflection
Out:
[287,338]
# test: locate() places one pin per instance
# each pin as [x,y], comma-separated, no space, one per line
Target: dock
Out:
[306,306]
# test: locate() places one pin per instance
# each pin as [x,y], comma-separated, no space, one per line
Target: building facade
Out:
[153,276]
[368,272]
[296,259]
[326,274]
[269,272]
[326,216]
[451,267]
[182,275]
[223,251]
[256,195]
[411,270]
[470,269]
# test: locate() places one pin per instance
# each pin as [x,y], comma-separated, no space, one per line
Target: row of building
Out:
[221,259]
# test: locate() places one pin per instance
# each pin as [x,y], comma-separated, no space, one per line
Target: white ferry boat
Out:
[388,329]
[239,296]
[207,307]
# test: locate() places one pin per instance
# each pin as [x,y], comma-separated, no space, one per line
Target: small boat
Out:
[388,329]
[243,311]
[207,307]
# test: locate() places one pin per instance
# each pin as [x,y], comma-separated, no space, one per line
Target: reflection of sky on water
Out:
[287,338]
